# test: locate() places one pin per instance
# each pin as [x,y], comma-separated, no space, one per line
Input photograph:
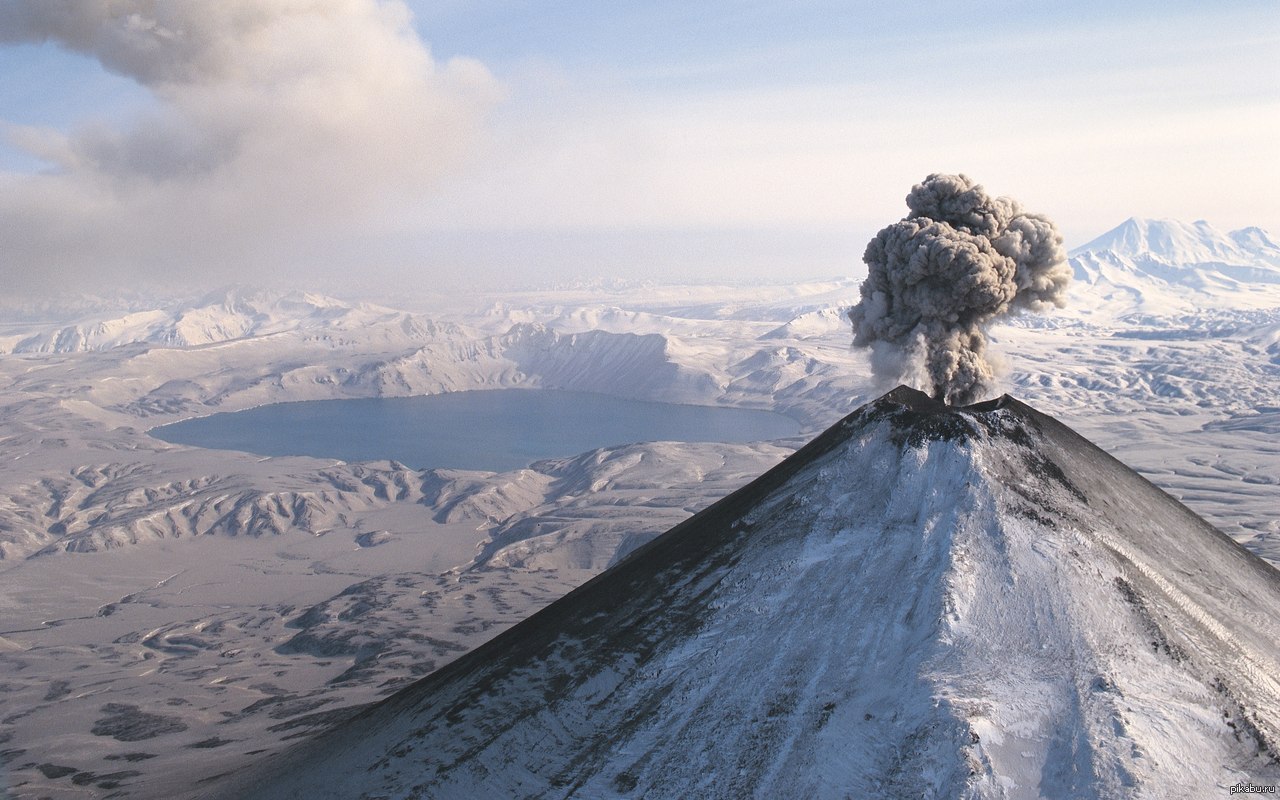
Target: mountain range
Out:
[1149,266]
[1170,268]
[1175,242]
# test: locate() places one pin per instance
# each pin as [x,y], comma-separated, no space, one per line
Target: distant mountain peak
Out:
[927,600]
[1254,239]
[1174,242]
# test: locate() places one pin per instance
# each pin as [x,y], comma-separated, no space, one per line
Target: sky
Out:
[385,148]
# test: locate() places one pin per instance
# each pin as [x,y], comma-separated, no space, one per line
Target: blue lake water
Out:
[488,430]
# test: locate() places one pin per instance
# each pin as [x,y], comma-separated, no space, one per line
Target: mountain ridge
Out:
[1167,269]
[215,317]
[1142,265]
[1175,242]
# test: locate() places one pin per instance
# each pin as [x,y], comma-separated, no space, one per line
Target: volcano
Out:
[925,601]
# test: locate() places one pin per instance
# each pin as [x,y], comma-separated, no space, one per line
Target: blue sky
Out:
[715,140]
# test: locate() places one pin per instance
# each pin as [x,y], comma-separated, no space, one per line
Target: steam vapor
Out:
[959,261]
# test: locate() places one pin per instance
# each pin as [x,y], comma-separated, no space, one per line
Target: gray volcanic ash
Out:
[960,260]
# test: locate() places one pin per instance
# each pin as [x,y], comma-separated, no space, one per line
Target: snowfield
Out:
[169,610]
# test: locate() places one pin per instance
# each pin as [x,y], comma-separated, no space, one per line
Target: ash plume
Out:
[277,133]
[959,261]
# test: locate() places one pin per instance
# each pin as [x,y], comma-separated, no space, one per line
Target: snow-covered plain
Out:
[167,610]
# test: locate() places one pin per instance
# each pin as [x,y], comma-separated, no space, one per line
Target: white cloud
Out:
[276,122]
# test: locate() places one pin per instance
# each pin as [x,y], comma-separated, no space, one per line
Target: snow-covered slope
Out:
[223,316]
[812,324]
[1175,242]
[924,601]
[1169,268]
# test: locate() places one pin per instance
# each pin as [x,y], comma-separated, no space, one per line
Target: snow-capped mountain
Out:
[924,601]
[1175,242]
[1166,267]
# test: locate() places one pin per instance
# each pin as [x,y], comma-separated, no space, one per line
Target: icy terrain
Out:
[922,602]
[162,602]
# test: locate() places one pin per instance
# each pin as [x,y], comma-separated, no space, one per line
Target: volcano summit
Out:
[924,601]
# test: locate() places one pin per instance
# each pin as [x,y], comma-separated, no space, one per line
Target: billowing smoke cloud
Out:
[275,124]
[960,260]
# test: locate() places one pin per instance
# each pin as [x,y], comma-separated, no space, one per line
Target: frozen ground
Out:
[161,601]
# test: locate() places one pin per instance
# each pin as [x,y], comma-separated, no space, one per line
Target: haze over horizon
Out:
[367,146]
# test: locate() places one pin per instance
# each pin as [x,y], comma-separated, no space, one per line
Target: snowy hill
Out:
[924,601]
[812,324]
[1175,242]
[222,316]
[1171,268]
